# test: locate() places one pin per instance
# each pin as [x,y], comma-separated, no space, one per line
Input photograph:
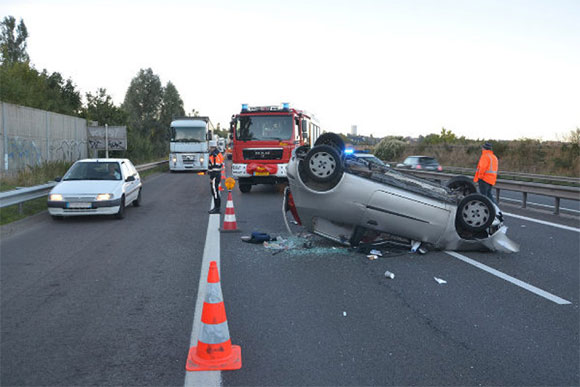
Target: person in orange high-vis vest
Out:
[214,168]
[486,172]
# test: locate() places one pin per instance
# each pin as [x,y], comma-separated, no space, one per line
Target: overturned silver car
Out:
[347,200]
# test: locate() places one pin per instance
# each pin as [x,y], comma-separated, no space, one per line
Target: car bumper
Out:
[63,208]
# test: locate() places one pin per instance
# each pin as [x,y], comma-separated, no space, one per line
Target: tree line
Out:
[147,109]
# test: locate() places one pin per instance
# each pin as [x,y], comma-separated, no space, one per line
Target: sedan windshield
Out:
[191,134]
[94,171]
[264,128]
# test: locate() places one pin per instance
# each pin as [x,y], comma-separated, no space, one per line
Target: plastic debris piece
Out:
[372,257]
[390,275]
[415,245]
[344,314]
[523,225]
[376,252]
[246,238]
[440,281]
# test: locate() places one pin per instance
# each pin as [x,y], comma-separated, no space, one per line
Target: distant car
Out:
[421,162]
[96,187]
[367,157]
[342,199]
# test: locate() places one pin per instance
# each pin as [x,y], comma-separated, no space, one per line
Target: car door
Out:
[131,187]
[406,214]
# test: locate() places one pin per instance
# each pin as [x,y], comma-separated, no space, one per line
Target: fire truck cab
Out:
[263,140]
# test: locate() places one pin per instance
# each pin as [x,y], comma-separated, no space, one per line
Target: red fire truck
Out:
[263,140]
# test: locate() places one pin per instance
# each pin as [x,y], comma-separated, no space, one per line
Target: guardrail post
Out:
[556,206]
[20,209]
[524,199]
[497,195]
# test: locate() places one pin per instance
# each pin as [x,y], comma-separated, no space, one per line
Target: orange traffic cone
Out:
[214,350]
[230,224]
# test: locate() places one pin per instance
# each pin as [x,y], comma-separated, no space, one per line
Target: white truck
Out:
[189,145]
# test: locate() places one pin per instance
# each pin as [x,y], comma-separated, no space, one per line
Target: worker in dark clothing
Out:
[486,173]
[214,168]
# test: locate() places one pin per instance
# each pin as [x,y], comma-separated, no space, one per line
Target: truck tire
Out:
[245,187]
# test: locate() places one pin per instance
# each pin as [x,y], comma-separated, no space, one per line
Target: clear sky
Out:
[502,69]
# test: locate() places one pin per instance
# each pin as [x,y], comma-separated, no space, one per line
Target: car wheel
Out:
[475,213]
[323,164]
[461,185]
[121,213]
[332,139]
[245,188]
[137,202]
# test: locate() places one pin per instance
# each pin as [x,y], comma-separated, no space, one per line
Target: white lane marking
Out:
[540,205]
[211,252]
[543,222]
[515,281]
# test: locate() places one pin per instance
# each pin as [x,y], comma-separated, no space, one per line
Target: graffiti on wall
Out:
[70,150]
[23,152]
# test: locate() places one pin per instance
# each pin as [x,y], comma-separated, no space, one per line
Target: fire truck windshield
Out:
[192,134]
[263,128]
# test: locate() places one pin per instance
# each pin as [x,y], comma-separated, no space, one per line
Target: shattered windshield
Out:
[264,128]
[191,134]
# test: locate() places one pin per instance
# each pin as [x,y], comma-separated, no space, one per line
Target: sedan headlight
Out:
[174,159]
[106,196]
[201,159]
[55,197]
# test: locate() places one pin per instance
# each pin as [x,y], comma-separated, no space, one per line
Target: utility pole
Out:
[106,141]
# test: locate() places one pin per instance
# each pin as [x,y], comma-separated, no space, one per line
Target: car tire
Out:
[245,188]
[121,213]
[323,164]
[137,202]
[333,140]
[475,213]
[462,185]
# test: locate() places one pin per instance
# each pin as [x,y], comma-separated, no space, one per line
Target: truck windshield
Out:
[192,134]
[262,128]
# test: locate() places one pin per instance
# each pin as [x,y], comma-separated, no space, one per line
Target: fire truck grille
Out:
[262,154]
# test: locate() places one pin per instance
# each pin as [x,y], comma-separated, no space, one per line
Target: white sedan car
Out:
[96,187]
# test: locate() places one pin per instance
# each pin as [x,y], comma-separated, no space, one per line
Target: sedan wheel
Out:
[137,202]
[475,213]
[121,213]
[323,164]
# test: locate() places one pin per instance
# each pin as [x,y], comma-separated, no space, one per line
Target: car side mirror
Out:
[57,179]
[130,178]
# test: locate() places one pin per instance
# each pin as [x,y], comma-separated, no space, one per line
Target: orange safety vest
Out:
[215,162]
[487,167]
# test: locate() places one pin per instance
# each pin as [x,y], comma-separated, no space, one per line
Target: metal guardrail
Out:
[504,174]
[530,176]
[21,195]
[558,192]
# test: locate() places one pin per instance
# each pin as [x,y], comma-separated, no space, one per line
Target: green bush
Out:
[389,149]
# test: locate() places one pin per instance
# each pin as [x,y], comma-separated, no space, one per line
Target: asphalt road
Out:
[92,301]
